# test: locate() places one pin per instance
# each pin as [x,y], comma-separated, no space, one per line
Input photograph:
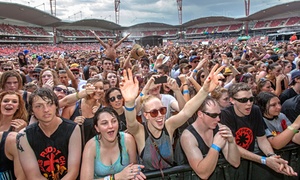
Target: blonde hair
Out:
[146,99]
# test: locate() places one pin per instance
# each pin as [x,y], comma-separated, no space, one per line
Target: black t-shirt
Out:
[244,129]
[51,152]
[291,108]
[287,94]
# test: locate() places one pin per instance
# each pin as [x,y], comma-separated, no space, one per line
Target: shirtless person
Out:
[110,47]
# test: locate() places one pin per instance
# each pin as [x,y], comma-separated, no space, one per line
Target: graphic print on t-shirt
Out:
[244,137]
[52,163]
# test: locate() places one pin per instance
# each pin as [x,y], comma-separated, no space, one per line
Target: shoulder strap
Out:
[156,147]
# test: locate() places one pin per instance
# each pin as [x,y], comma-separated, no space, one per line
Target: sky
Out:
[140,11]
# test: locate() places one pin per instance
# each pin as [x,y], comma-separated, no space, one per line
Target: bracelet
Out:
[185,85]
[271,154]
[141,94]
[195,70]
[77,96]
[129,109]
[186,92]
[215,147]
[106,178]
[245,51]
[263,160]
[293,129]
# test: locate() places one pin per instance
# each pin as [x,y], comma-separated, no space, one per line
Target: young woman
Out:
[221,96]
[112,77]
[278,80]
[13,115]
[114,99]
[110,154]
[83,111]
[264,85]
[48,78]
[154,138]
[280,131]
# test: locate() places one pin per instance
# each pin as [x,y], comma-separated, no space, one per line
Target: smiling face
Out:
[108,126]
[158,121]
[99,90]
[9,104]
[114,99]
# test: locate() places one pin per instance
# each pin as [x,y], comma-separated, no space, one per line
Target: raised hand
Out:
[172,84]
[212,80]
[89,89]
[129,86]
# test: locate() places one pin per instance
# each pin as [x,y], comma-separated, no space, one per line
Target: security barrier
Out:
[247,170]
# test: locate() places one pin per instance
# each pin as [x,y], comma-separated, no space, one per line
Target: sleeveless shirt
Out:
[102,170]
[6,165]
[150,157]
[51,152]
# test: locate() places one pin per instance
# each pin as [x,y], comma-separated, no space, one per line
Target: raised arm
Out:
[97,37]
[193,104]
[123,39]
[72,98]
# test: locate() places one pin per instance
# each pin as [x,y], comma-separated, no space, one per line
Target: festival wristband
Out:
[129,109]
[293,129]
[141,94]
[195,70]
[263,160]
[185,92]
[215,147]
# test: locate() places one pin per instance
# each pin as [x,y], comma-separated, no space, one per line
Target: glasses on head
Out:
[7,69]
[244,100]
[59,89]
[154,112]
[212,115]
[112,99]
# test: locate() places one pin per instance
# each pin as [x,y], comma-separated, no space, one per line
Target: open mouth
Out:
[8,108]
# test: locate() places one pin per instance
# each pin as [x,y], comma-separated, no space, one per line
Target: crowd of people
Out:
[115,113]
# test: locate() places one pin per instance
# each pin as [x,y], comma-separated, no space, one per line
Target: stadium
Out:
[274,23]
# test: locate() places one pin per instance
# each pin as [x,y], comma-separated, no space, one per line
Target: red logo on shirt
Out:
[244,137]
[52,163]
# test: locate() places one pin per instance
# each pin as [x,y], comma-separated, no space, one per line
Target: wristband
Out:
[154,70]
[293,129]
[195,70]
[245,51]
[186,92]
[129,109]
[141,94]
[263,160]
[271,154]
[185,85]
[215,147]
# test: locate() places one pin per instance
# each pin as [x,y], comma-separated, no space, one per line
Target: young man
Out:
[50,148]
[206,137]
[246,123]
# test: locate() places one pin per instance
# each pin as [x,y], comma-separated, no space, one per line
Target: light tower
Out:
[53,13]
[117,10]
[179,7]
[247,11]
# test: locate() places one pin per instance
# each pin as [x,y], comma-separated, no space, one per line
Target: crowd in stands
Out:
[70,111]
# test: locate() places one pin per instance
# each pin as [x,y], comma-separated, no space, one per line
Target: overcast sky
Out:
[139,11]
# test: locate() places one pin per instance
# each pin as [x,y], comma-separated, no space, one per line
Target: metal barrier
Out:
[247,170]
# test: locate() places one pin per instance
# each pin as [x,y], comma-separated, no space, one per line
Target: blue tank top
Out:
[102,170]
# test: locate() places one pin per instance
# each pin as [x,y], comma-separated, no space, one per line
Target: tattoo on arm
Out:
[19,135]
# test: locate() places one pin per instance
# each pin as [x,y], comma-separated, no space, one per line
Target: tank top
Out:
[88,130]
[201,144]
[150,157]
[6,165]
[102,170]
[51,152]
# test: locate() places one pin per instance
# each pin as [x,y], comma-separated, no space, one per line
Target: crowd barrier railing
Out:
[248,170]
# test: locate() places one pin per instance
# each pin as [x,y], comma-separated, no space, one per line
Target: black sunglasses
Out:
[244,100]
[212,115]
[75,72]
[154,112]
[59,89]
[112,99]
[7,69]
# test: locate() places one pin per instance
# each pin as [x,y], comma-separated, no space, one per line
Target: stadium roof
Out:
[205,20]
[97,23]
[26,14]
[273,11]
[152,25]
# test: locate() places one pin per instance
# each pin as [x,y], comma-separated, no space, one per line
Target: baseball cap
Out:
[295,75]
[192,58]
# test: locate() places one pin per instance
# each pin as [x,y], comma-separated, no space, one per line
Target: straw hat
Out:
[137,51]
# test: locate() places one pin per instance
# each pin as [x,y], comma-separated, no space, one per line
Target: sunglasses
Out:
[212,115]
[112,99]
[195,61]
[244,100]
[223,80]
[75,73]
[59,89]
[7,69]
[202,76]
[154,112]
